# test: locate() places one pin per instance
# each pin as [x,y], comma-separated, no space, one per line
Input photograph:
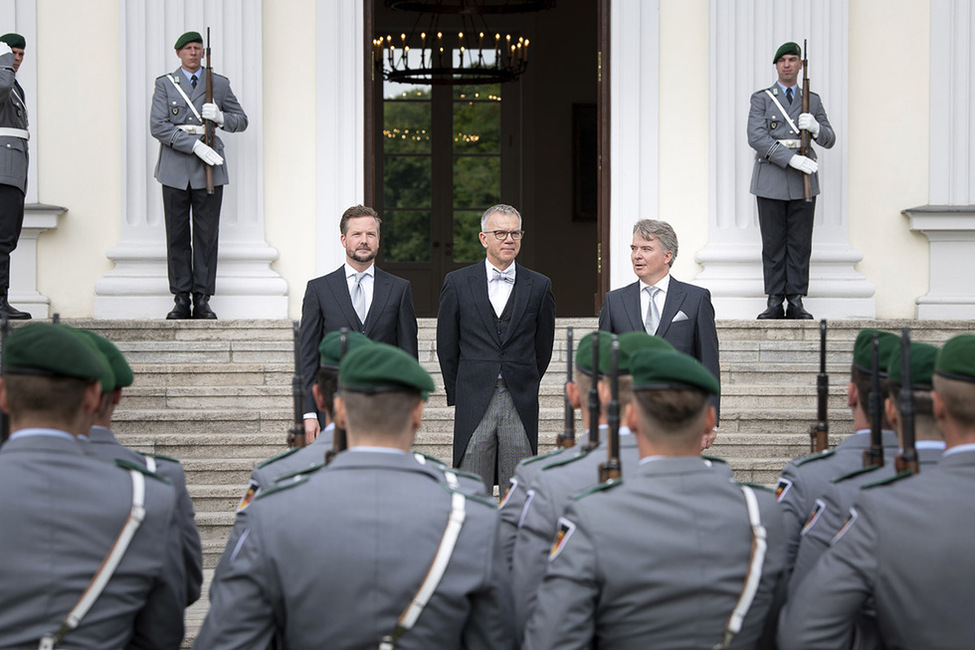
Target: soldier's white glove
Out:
[213,112]
[807,122]
[803,164]
[5,49]
[207,154]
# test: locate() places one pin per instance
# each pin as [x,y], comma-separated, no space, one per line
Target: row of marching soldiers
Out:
[384,548]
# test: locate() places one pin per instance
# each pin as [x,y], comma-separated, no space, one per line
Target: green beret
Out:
[584,352]
[51,350]
[330,349]
[785,48]
[630,342]
[188,37]
[14,40]
[118,364]
[379,368]
[922,364]
[660,369]
[863,350]
[956,360]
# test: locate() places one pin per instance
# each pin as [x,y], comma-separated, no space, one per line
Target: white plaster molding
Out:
[950,230]
[138,286]
[23,260]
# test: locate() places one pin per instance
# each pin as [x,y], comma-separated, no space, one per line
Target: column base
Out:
[23,293]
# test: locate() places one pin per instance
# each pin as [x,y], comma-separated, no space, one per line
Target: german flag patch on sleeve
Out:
[565,530]
[252,489]
[782,488]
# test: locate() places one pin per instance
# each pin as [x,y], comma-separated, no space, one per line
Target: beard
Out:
[363,255]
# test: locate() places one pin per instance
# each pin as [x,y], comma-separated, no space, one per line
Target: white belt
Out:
[8,132]
[195,129]
[791,144]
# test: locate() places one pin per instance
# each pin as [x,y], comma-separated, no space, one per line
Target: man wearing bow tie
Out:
[495,330]
[660,305]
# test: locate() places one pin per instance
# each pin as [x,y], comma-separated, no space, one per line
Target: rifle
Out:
[4,331]
[56,318]
[296,434]
[339,441]
[874,456]
[208,125]
[907,459]
[594,396]
[567,439]
[612,469]
[803,134]
[819,432]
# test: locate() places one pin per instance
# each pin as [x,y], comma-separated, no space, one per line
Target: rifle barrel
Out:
[874,456]
[907,460]
[612,469]
[594,395]
[568,437]
[819,432]
[296,434]
[804,135]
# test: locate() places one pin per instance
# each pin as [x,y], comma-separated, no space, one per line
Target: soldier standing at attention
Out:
[375,547]
[65,512]
[13,161]
[784,216]
[177,121]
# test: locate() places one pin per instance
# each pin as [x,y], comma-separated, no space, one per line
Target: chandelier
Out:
[460,50]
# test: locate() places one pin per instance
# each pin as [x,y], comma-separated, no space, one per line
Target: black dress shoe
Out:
[774,309]
[795,309]
[201,307]
[182,308]
[11,312]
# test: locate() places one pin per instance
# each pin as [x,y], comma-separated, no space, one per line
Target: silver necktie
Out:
[653,314]
[359,298]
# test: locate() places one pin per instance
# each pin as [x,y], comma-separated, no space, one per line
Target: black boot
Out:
[774,309]
[11,312]
[795,309]
[182,308]
[201,307]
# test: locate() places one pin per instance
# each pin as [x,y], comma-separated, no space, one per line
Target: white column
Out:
[949,220]
[138,286]
[744,37]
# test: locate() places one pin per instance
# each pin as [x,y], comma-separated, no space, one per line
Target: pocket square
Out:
[679,317]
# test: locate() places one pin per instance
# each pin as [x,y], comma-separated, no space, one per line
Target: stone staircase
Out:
[217,396]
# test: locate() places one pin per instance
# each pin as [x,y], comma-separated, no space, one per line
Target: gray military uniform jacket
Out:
[334,560]
[772,178]
[61,512]
[658,561]
[13,114]
[103,444]
[909,546]
[178,166]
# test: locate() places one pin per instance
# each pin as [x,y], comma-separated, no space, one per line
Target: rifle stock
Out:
[567,439]
[874,456]
[296,434]
[208,124]
[819,432]
[612,468]
[804,135]
[907,459]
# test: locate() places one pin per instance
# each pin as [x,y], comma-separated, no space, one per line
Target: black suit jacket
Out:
[472,354]
[327,307]
[694,335]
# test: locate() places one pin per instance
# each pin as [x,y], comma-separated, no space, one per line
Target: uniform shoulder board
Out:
[125,463]
[889,480]
[756,486]
[432,459]
[283,454]
[300,472]
[471,497]
[535,459]
[811,457]
[857,472]
[159,457]
[599,487]
[280,487]
[565,461]
[714,459]
[470,475]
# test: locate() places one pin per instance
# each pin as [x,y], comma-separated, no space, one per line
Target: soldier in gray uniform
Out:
[559,479]
[63,511]
[805,479]
[907,544]
[102,443]
[663,558]
[347,556]
[177,121]
[775,120]
[13,161]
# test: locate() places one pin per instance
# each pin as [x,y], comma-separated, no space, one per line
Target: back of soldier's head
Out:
[861,371]
[671,393]
[954,379]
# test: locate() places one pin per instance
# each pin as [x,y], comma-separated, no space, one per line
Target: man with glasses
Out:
[495,330]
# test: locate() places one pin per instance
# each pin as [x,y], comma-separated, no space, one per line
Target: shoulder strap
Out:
[455,521]
[754,576]
[785,114]
[97,585]
[191,105]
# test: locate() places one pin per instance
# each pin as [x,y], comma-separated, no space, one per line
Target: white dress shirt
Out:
[498,290]
[659,299]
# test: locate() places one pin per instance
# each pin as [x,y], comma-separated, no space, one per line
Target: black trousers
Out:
[11,223]
[787,228]
[192,269]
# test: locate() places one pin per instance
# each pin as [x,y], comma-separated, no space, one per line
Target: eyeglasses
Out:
[501,235]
